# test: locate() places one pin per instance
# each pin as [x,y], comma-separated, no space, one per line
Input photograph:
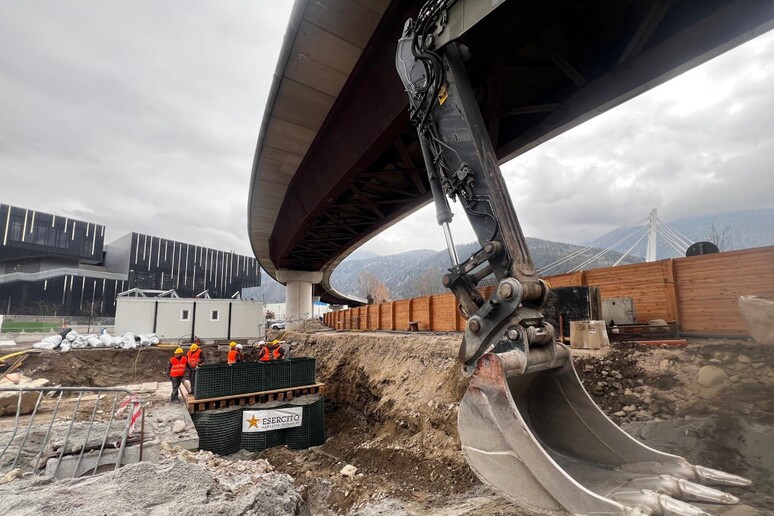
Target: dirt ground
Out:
[391,411]
[106,367]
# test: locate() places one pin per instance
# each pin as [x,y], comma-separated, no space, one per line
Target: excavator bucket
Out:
[540,440]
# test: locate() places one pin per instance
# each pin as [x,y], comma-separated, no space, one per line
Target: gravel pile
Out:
[623,390]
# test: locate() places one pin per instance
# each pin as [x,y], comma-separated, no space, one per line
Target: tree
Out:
[90,309]
[269,314]
[372,288]
[722,238]
[429,282]
[45,308]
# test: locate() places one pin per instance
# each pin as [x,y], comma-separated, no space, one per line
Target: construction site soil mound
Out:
[105,367]
[392,402]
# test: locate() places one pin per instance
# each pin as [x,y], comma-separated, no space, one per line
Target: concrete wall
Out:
[136,315]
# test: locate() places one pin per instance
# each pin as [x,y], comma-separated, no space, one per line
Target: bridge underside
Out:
[323,187]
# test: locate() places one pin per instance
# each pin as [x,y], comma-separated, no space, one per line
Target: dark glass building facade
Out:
[151,262]
[54,265]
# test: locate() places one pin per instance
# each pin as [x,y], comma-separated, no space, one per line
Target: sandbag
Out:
[71,335]
[79,342]
[44,345]
[95,342]
[52,342]
[66,345]
[106,339]
[148,339]
[128,342]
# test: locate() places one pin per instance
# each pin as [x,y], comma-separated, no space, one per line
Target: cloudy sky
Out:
[144,115]
[141,115]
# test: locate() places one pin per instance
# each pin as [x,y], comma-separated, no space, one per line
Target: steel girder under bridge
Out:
[336,160]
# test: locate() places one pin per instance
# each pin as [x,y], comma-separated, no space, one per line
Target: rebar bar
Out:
[107,432]
[27,433]
[88,434]
[48,432]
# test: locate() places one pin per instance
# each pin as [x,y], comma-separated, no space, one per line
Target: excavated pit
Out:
[391,411]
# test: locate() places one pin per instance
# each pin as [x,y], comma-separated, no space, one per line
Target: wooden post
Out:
[410,310]
[430,324]
[392,315]
[672,301]
[578,278]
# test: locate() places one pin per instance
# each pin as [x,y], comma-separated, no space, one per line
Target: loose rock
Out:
[711,376]
[11,475]
[348,471]
[178,426]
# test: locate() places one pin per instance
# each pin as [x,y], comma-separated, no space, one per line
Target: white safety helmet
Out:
[239,346]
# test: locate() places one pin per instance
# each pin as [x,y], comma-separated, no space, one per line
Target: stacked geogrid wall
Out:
[221,431]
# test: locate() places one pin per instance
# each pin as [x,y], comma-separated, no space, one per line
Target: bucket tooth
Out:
[650,502]
[685,490]
[540,440]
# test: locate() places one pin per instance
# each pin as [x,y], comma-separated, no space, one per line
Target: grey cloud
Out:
[141,116]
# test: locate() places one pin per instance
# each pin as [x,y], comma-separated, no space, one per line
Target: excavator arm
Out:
[528,428]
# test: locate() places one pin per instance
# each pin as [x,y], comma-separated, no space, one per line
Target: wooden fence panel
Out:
[709,287]
[643,282]
[444,312]
[402,314]
[562,280]
[419,312]
[373,319]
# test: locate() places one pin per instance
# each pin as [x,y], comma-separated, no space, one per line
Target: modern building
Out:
[54,265]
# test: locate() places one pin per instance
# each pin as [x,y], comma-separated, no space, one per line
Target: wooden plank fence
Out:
[700,293]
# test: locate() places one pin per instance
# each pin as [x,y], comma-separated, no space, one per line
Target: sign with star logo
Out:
[274,419]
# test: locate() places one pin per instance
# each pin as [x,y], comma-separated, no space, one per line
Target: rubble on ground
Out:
[182,482]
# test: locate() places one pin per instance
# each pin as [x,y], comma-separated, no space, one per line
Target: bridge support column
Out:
[298,295]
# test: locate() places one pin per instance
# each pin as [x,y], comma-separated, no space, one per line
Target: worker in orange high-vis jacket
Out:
[176,371]
[234,355]
[271,351]
[195,358]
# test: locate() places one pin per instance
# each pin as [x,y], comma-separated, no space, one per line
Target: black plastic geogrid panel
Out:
[312,430]
[275,374]
[246,377]
[219,430]
[302,371]
[213,381]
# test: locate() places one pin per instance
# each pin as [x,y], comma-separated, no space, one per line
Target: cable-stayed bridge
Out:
[650,231]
